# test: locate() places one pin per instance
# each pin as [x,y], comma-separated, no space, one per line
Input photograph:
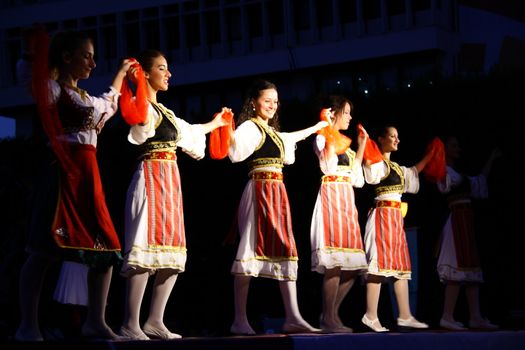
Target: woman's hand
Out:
[224,117]
[122,72]
[362,135]
[134,69]
[126,64]
[327,115]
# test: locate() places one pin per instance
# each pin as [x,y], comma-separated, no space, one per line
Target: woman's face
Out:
[452,148]
[266,104]
[159,75]
[81,62]
[389,141]
[343,118]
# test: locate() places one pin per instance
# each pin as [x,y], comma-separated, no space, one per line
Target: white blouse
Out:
[478,184]
[192,136]
[248,136]
[328,163]
[104,107]
[377,171]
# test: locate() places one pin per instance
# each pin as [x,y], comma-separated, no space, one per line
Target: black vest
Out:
[73,117]
[270,152]
[345,160]
[393,182]
[167,133]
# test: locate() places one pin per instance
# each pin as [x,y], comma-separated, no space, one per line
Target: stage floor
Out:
[428,340]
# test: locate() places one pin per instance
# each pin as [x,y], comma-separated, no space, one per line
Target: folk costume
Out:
[267,246]
[335,233]
[80,222]
[154,223]
[385,238]
[458,254]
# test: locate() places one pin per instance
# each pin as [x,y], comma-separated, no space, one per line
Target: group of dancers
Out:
[71,221]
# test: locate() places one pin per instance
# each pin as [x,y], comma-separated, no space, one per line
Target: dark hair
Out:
[65,42]
[253,93]
[382,130]
[147,57]
[336,103]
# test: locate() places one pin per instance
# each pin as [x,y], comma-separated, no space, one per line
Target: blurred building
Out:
[316,45]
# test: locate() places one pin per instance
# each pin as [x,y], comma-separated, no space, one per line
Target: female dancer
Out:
[267,245]
[458,263]
[70,218]
[337,246]
[155,238]
[385,239]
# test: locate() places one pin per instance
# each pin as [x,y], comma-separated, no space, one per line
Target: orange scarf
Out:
[333,137]
[372,152]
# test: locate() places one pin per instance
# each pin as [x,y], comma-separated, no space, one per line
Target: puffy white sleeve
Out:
[327,162]
[290,145]
[106,104]
[451,180]
[192,138]
[478,186]
[357,177]
[54,89]
[375,172]
[411,179]
[138,134]
[246,138]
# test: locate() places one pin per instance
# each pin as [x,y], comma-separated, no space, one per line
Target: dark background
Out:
[484,112]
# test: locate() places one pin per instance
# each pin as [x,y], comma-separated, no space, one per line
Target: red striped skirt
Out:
[464,237]
[165,208]
[390,239]
[274,224]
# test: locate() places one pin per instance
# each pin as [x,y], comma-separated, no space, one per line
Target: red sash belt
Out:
[164,155]
[392,204]
[335,178]
[267,175]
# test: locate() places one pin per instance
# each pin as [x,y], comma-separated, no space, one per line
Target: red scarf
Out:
[435,170]
[372,152]
[47,109]
[220,137]
[134,110]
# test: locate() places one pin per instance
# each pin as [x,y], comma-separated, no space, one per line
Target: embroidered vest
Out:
[74,117]
[167,133]
[393,182]
[346,160]
[270,152]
